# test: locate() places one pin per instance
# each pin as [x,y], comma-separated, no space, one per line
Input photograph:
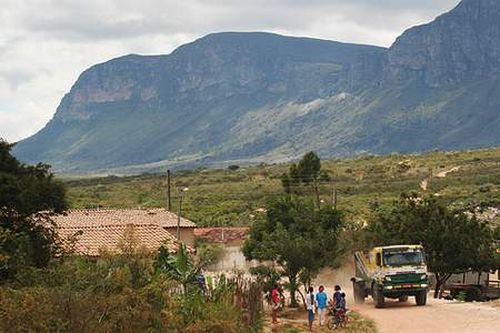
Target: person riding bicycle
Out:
[338,309]
[339,299]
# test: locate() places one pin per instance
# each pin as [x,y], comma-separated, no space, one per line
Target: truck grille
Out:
[404,278]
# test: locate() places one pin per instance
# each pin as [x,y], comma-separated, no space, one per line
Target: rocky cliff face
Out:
[463,44]
[222,66]
[130,79]
[226,64]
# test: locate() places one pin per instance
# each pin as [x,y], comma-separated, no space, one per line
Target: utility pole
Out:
[181,193]
[169,202]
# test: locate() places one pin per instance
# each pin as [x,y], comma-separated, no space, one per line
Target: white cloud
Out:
[46,44]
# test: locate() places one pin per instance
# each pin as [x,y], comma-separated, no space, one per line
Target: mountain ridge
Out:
[255,97]
[472,54]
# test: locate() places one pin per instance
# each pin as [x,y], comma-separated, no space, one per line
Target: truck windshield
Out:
[403,257]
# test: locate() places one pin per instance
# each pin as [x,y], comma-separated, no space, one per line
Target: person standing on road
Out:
[321,304]
[275,303]
[310,307]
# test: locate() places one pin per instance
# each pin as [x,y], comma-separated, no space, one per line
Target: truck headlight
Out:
[424,285]
[388,287]
[423,277]
[388,278]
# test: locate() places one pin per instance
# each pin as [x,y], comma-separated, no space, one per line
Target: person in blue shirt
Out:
[322,304]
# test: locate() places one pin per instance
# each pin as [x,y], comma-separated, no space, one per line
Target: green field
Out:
[230,198]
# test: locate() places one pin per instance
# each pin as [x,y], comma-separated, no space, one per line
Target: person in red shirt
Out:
[275,302]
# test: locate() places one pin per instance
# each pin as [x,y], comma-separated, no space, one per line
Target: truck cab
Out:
[396,272]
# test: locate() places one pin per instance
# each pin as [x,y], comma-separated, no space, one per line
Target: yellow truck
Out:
[396,272]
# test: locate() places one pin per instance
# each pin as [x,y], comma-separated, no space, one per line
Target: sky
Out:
[46,44]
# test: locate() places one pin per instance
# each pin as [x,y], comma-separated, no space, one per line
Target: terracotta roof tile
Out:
[93,239]
[158,216]
[95,231]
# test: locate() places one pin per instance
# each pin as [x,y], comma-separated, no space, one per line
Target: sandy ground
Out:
[437,316]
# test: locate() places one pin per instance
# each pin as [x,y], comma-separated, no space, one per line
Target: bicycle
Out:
[338,318]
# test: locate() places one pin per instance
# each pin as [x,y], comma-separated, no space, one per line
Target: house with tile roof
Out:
[93,231]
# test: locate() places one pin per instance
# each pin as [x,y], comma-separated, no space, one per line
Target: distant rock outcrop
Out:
[462,45]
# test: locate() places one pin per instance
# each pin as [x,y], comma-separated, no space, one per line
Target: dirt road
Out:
[438,316]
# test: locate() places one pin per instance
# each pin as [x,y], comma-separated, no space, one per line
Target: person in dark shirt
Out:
[339,298]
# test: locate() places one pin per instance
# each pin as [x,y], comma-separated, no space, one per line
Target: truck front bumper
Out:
[405,286]
[407,289]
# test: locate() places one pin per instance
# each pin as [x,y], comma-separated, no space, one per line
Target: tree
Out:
[297,236]
[307,173]
[454,242]
[29,196]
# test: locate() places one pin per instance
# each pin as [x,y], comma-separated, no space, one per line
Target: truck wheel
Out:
[403,298]
[359,293]
[421,298]
[378,299]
